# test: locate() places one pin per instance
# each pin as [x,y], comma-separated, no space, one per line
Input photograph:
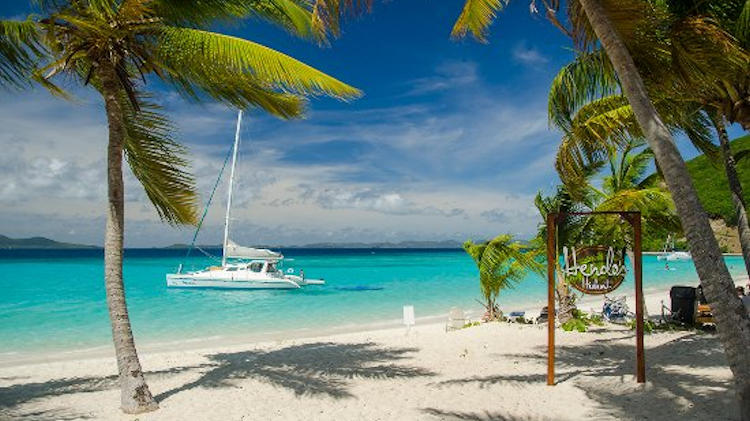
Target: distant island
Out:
[39,243]
[8,243]
[444,244]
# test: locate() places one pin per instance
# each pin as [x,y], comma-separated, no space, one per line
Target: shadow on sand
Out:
[672,385]
[309,369]
[477,416]
[13,397]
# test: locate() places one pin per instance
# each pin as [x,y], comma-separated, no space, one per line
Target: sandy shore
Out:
[495,371]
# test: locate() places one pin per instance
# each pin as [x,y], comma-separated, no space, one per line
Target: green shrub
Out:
[581,321]
[648,326]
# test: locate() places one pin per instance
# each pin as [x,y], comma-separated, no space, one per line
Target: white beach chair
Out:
[456,319]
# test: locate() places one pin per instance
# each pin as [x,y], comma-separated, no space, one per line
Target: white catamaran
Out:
[241,267]
[670,254]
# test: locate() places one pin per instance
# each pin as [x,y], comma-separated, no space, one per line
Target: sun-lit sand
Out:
[495,371]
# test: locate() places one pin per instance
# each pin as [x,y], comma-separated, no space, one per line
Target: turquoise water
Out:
[55,300]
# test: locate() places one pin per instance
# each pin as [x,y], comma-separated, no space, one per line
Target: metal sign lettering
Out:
[594,270]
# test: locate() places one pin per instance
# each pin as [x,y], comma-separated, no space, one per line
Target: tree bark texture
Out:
[135,394]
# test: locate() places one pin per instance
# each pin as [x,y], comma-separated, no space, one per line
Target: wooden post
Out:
[638,268]
[551,261]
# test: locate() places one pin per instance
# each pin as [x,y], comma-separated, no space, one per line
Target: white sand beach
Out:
[495,371]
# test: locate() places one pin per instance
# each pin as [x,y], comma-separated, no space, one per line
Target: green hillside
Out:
[711,182]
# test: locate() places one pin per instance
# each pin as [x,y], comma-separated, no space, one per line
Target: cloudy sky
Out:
[450,141]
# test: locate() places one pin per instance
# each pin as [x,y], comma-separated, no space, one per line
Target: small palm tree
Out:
[502,263]
[116,47]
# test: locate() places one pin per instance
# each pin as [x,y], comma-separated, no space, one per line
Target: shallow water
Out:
[54,300]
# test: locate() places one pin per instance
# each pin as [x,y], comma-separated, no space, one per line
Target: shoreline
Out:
[484,372]
[652,297]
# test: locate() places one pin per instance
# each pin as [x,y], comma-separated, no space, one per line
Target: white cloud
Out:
[420,170]
[449,75]
[528,56]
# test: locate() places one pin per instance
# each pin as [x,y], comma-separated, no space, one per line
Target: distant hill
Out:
[446,244]
[712,186]
[180,246]
[713,191]
[38,243]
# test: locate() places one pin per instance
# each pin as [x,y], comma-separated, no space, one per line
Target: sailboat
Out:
[241,267]
[670,254]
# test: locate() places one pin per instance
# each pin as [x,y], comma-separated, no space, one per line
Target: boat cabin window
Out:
[256,266]
[232,269]
[271,268]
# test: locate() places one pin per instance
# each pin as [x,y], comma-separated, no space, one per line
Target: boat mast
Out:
[229,194]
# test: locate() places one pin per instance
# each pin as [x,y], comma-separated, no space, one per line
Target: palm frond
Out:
[590,76]
[703,52]
[742,26]
[327,14]
[292,15]
[502,263]
[476,17]
[20,49]
[627,17]
[159,162]
[191,51]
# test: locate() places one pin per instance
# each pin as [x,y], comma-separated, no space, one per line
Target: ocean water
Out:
[54,300]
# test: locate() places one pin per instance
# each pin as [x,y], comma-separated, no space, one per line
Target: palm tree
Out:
[624,188]
[604,22]
[116,47]
[701,63]
[570,230]
[603,123]
[502,263]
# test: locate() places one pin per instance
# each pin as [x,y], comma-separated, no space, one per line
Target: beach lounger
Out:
[456,319]
[615,310]
[543,315]
[515,315]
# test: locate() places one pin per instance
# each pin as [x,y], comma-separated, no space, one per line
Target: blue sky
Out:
[450,141]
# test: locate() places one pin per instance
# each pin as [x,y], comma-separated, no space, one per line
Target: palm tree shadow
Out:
[13,397]
[476,416]
[321,368]
[673,373]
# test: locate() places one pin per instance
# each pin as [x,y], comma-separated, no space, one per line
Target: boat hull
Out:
[187,281]
[675,256]
[305,281]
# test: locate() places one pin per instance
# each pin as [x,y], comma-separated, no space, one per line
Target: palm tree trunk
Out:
[732,321]
[135,395]
[565,300]
[735,188]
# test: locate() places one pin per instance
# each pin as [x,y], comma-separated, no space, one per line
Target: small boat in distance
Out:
[670,254]
[249,268]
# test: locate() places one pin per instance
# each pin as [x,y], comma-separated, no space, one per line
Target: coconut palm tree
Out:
[700,61]
[609,24]
[603,123]
[502,263]
[623,188]
[116,47]
[570,230]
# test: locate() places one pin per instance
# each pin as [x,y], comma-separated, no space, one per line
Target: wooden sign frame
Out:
[634,218]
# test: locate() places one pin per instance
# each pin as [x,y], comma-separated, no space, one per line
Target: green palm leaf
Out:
[195,52]
[590,76]
[159,162]
[293,15]
[476,17]
[20,49]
